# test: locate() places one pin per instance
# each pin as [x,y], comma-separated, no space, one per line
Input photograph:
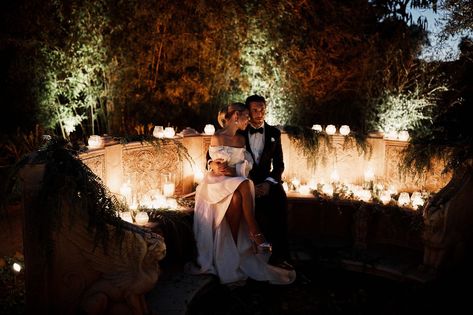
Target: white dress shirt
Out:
[257,144]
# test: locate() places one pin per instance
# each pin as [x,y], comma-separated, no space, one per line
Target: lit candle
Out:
[344,130]
[125,191]
[313,183]
[403,199]
[209,129]
[327,189]
[330,129]
[365,195]
[95,142]
[141,218]
[198,175]
[304,190]
[172,203]
[158,132]
[168,189]
[169,132]
[334,177]
[16,267]
[126,216]
[385,197]
[295,183]
[317,128]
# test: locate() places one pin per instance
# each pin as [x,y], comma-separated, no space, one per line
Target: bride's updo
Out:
[227,112]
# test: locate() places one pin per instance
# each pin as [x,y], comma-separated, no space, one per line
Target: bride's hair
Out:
[227,112]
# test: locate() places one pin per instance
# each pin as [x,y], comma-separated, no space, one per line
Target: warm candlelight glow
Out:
[209,129]
[168,189]
[125,191]
[169,132]
[330,129]
[403,199]
[385,197]
[304,190]
[334,177]
[126,216]
[95,142]
[141,218]
[172,203]
[198,175]
[16,267]
[344,130]
[369,174]
[158,132]
[327,189]
[317,128]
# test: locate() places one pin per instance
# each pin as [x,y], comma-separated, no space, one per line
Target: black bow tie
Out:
[255,130]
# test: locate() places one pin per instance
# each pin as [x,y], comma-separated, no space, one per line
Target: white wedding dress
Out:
[217,252]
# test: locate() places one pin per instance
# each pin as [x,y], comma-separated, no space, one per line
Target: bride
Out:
[229,241]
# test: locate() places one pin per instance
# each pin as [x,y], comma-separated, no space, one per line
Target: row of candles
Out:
[367,192]
[96,142]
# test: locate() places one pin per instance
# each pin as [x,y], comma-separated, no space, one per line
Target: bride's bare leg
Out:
[233,214]
[247,207]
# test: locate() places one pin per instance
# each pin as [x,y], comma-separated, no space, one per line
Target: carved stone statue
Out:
[448,219]
[80,258]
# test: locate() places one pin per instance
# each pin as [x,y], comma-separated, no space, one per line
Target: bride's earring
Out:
[236,122]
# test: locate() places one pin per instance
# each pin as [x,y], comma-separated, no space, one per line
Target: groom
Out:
[263,141]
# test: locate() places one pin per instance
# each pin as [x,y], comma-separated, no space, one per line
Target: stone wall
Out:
[140,164]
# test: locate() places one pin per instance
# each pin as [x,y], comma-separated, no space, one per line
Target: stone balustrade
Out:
[140,164]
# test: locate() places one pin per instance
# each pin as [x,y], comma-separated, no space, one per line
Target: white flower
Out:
[272,139]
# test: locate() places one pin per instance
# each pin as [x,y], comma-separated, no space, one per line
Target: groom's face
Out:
[257,112]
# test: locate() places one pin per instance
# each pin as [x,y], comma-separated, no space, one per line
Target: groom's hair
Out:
[254,98]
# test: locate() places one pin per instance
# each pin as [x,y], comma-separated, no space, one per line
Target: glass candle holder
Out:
[209,129]
[168,184]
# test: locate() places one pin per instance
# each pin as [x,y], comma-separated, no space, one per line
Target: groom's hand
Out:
[220,168]
[262,189]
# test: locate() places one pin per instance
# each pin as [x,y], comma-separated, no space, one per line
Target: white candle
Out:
[141,218]
[344,130]
[334,177]
[209,129]
[126,216]
[327,189]
[330,129]
[369,175]
[317,128]
[125,191]
[169,132]
[403,199]
[385,197]
[172,203]
[158,132]
[304,190]
[95,142]
[168,189]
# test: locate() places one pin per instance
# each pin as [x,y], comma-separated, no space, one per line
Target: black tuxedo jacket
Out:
[271,163]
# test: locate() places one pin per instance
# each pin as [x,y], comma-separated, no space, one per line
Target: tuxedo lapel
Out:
[247,141]
[267,141]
